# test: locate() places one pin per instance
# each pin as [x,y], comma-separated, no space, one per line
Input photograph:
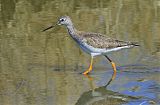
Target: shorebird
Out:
[93,43]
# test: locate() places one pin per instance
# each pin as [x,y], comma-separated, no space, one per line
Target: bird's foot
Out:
[88,71]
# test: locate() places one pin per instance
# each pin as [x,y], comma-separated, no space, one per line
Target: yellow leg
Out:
[90,67]
[113,75]
[114,67]
[114,70]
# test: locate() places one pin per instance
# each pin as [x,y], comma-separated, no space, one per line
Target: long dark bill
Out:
[49,28]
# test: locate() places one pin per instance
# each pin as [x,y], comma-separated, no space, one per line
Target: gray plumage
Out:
[101,41]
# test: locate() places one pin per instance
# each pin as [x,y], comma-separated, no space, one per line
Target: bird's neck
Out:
[71,30]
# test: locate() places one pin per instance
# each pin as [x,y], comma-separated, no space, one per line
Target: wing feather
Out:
[101,41]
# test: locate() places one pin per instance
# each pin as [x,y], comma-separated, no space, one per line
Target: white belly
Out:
[99,51]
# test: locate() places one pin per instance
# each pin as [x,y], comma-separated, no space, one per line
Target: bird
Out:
[94,44]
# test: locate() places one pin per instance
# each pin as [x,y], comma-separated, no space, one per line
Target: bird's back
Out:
[97,40]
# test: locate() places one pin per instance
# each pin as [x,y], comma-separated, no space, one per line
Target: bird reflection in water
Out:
[91,81]
[100,95]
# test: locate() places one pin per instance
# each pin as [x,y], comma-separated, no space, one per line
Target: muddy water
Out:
[43,68]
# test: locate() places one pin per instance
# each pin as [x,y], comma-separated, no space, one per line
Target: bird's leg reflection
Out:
[114,70]
[92,85]
[111,79]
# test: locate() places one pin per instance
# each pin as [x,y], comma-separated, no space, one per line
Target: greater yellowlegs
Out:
[93,43]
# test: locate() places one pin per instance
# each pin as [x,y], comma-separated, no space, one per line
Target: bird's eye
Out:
[62,20]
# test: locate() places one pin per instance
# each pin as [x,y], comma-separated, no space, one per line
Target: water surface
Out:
[43,68]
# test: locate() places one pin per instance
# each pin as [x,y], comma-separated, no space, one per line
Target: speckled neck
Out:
[71,30]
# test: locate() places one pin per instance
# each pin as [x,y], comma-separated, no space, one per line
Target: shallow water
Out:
[43,68]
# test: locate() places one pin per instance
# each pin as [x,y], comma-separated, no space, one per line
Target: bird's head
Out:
[63,20]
